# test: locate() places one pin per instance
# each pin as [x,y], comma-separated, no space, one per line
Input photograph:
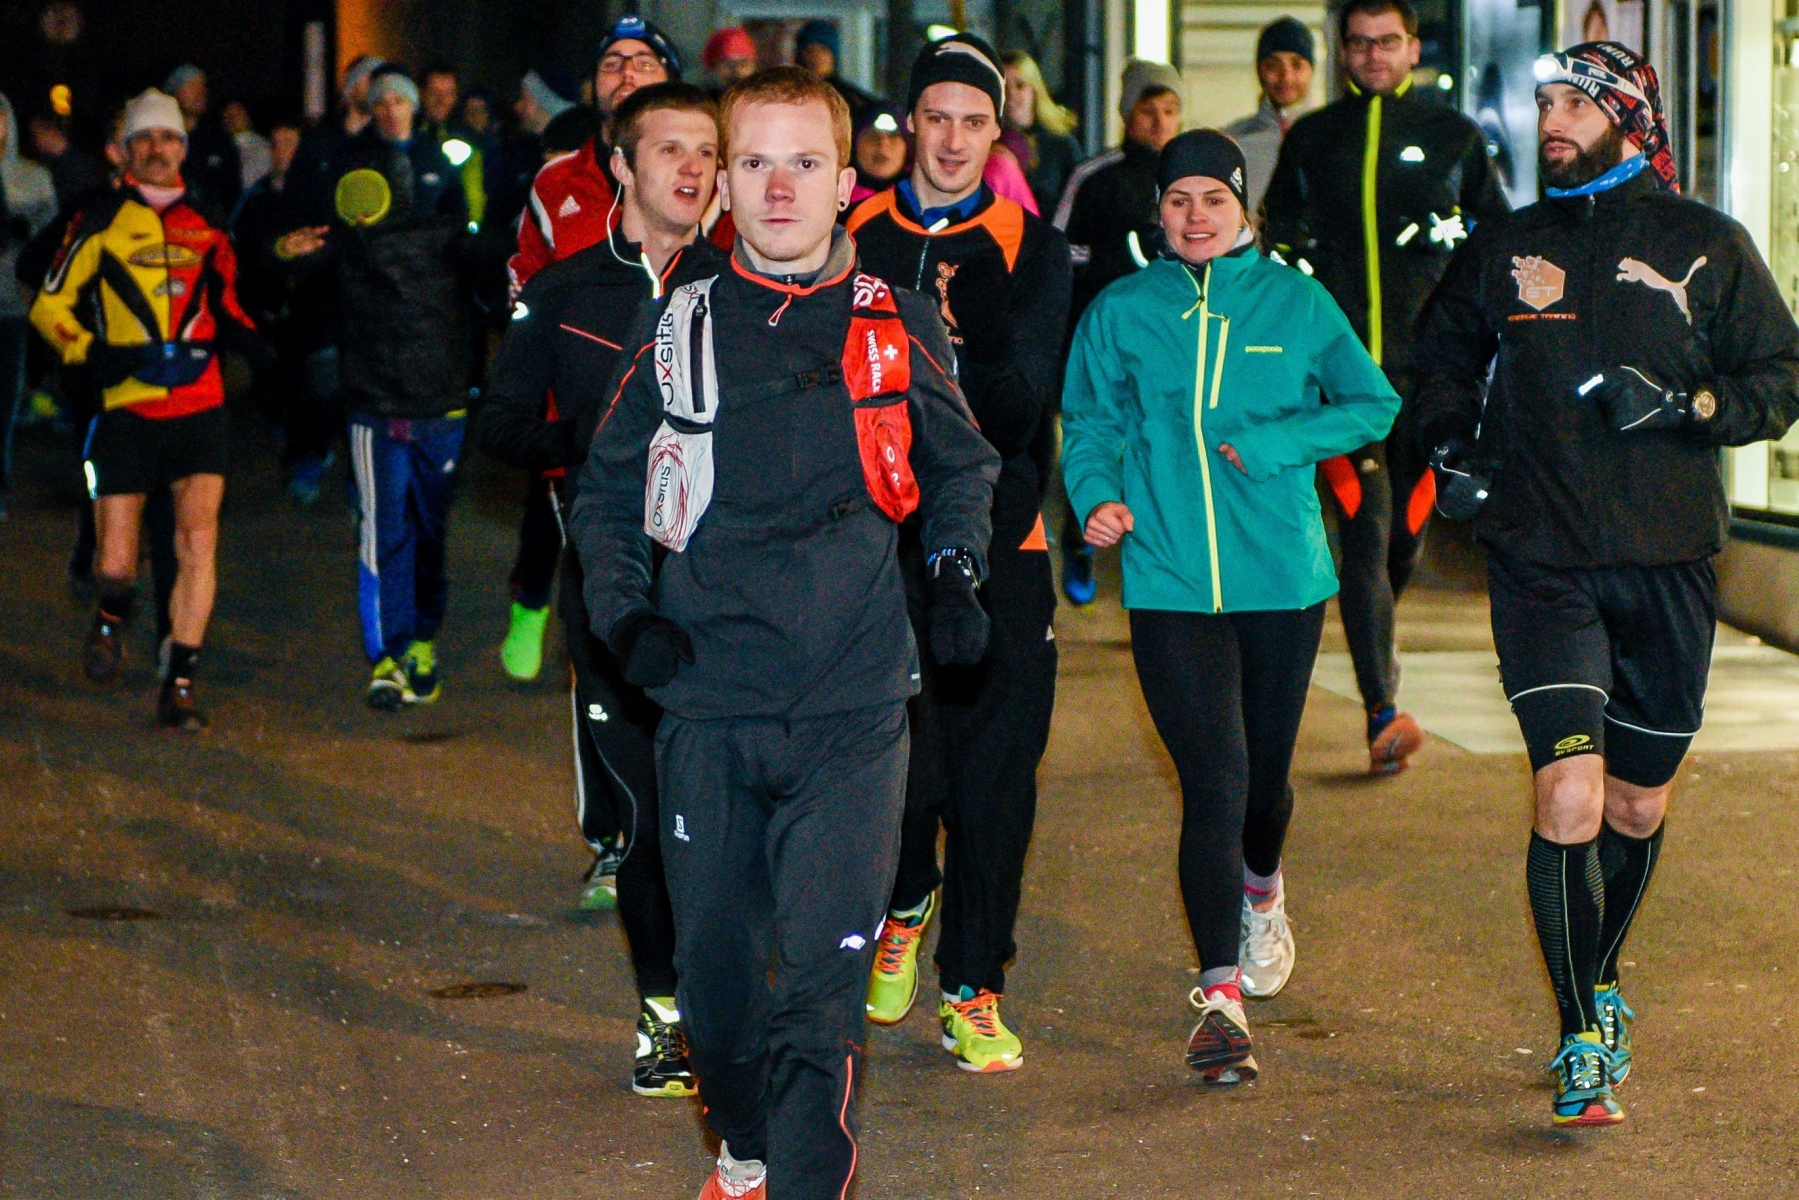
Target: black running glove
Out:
[958,622]
[1631,401]
[650,647]
[1461,490]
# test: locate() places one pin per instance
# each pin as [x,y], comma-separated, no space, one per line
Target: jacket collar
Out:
[837,267]
[1404,89]
[1607,201]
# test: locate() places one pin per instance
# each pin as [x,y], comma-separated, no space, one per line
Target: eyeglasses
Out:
[1387,43]
[640,64]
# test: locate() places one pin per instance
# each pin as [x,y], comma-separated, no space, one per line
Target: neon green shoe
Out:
[387,686]
[893,983]
[973,1032]
[521,654]
[420,665]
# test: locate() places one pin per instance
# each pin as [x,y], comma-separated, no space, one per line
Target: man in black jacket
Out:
[773,427]
[545,396]
[400,245]
[1371,194]
[1000,279]
[1630,333]
[1108,211]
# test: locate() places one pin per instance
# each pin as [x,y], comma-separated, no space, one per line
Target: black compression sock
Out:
[116,601]
[1627,864]
[183,662]
[1567,900]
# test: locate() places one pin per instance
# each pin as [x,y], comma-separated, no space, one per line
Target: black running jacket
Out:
[1556,293]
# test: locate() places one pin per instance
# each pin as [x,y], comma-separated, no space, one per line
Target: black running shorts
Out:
[129,455]
[1606,660]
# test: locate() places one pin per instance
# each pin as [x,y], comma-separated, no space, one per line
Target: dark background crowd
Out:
[502,87]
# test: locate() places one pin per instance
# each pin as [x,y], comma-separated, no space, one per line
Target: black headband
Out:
[1202,152]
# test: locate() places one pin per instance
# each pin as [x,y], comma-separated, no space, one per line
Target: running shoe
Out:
[661,1068]
[419,664]
[1266,949]
[893,983]
[1077,576]
[735,1180]
[599,887]
[387,687]
[1583,1082]
[521,654]
[1219,1046]
[1615,1017]
[104,650]
[1393,737]
[973,1032]
[176,708]
[306,476]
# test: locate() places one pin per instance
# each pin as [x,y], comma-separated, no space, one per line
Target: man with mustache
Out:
[1629,332]
[142,294]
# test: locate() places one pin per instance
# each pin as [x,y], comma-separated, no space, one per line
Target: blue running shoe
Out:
[1077,576]
[304,478]
[1615,1017]
[1583,1082]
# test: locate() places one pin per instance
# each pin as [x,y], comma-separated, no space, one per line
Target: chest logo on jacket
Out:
[945,273]
[1632,270]
[1540,282]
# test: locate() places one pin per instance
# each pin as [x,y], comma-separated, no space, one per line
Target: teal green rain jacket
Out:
[1172,362]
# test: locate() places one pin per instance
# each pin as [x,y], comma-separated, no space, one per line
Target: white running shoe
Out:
[1266,951]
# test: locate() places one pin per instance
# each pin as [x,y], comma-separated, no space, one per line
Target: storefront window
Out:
[1765,477]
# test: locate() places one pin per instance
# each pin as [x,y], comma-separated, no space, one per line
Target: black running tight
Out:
[1226,692]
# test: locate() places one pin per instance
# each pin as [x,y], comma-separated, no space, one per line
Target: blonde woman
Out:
[1038,131]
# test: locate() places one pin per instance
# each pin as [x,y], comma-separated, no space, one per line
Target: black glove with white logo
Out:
[958,623]
[650,647]
[1461,490]
[1631,400]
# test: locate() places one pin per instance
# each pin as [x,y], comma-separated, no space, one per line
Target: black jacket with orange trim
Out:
[548,384]
[790,587]
[1001,282]
[144,299]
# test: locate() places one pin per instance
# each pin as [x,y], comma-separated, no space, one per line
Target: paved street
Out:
[316,872]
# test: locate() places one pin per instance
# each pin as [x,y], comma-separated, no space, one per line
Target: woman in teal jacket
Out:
[1201,391]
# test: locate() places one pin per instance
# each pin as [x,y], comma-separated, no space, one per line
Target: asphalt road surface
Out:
[317,871]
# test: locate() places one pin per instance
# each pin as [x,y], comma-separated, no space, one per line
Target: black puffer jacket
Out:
[563,344]
[402,282]
[790,586]
[1429,162]
[1566,289]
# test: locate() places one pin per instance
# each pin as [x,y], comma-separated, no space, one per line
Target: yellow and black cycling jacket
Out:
[140,298]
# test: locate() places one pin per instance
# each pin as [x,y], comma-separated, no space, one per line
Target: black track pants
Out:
[615,788]
[1378,552]
[978,734]
[780,838]
[539,545]
[1226,691]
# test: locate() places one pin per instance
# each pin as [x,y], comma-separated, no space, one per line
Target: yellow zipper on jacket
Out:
[1371,224]
[1371,212]
[1199,422]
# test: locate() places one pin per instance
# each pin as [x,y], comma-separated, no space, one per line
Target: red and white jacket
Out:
[574,205]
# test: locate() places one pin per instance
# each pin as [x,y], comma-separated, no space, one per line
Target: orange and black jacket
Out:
[1000,280]
[143,300]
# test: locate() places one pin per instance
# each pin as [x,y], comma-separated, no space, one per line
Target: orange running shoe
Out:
[1392,741]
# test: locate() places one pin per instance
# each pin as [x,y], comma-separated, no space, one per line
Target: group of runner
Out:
[800,451]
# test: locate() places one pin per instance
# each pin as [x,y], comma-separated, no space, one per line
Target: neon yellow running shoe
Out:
[893,983]
[420,665]
[521,654]
[387,686]
[973,1032]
